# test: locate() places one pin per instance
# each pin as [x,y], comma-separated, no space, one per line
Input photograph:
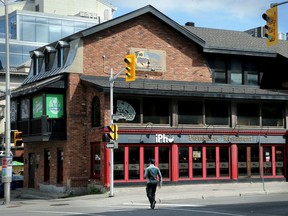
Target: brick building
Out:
[207,104]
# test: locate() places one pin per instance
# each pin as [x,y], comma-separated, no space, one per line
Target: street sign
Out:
[112,144]
[109,145]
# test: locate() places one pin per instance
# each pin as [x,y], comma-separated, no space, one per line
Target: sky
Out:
[239,15]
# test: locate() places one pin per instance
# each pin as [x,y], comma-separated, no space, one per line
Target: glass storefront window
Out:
[197,162]
[149,153]
[211,161]
[164,162]
[190,112]
[279,159]
[183,162]
[134,161]
[255,161]
[224,161]
[119,163]
[242,161]
[267,160]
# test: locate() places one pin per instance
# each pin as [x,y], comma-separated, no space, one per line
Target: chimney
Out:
[190,24]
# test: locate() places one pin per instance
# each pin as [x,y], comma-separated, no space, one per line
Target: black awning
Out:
[51,82]
[183,89]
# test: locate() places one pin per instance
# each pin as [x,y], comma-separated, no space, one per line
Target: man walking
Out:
[151,173]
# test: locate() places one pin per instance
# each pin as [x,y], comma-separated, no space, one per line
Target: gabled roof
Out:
[233,42]
[211,40]
[126,17]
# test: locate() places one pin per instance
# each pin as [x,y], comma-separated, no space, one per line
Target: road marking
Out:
[164,204]
[183,205]
[209,212]
[71,213]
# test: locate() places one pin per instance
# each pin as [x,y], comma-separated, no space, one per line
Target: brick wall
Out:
[183,60]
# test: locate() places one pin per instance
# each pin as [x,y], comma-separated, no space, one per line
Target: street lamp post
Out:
[7,160]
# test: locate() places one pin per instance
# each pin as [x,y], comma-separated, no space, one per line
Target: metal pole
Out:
[111,149]
[261,161]
[7,117]
[276,4]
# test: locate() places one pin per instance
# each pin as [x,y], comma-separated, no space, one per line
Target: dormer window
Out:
[63,50]
[49,56]
[37,61]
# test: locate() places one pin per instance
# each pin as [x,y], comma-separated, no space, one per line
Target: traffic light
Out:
[113,131]
[18,138]
[271,18]
[130,68]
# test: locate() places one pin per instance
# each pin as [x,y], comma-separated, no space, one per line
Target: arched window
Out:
[95,112]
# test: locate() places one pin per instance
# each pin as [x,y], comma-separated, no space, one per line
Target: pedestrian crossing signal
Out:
[113,131]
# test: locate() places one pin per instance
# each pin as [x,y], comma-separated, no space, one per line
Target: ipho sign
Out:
[163,138]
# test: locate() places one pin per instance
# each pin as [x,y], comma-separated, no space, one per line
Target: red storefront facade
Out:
[205,158]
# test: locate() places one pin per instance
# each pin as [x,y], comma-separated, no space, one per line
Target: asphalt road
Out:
[256,205]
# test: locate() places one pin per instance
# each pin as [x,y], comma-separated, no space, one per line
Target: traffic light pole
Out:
[276,4]
[111,80]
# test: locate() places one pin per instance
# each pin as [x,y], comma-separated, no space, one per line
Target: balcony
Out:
[41,129]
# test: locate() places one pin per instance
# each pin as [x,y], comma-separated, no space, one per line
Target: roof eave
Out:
[239,52]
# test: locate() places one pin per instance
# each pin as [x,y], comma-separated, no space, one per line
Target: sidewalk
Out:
[168,192]
[202,191]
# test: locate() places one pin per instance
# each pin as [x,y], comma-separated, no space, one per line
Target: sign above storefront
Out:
[213,139]
[163,138]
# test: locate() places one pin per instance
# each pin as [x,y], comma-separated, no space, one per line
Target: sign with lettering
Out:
[163,138]
[37,106]
[189,138]
[54,105]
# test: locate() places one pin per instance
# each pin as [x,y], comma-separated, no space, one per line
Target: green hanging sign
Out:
[37,107]
[54,105]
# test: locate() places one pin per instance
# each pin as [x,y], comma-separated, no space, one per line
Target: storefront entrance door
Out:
[248,161]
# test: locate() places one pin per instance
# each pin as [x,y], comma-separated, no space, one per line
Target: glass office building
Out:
[29,30]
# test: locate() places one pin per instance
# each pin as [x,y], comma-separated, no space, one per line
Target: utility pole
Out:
[7,159]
